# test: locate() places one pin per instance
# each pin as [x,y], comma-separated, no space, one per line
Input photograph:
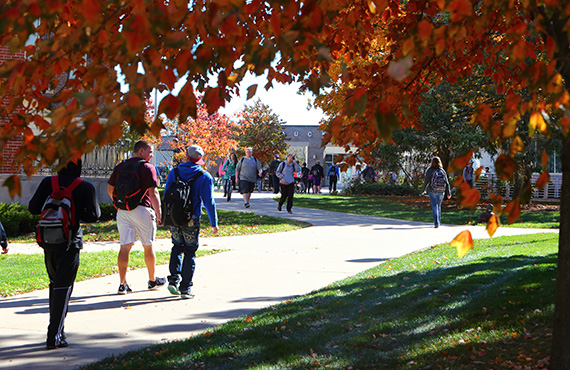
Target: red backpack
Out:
[58,217]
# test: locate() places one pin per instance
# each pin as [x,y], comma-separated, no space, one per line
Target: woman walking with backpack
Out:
[437,184]
[230,175]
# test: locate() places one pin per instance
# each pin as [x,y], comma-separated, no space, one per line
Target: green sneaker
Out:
[186,295]
[173,289]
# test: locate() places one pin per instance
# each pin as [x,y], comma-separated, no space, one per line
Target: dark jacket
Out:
[427,181]
[3,237]
[84,198]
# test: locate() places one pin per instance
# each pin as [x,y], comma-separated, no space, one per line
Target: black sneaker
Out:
[124,289]
[156,283]
[51,344]
[279,207]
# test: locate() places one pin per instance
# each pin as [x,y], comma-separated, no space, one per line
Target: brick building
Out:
[11,146]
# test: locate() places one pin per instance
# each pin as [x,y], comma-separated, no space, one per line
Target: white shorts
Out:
[140,222]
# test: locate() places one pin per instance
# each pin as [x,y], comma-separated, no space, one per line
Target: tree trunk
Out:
[561,333]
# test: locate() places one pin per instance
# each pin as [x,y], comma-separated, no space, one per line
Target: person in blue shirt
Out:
[185,238]
[333,176]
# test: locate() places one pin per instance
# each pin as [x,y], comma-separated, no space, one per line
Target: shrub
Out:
[108,212]
[363,188]
[17,219]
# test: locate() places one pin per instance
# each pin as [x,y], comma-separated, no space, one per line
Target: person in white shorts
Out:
[141,218]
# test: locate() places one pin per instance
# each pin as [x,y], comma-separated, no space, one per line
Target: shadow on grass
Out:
[466,314]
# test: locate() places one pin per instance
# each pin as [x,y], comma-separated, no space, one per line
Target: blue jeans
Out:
[185,241]
[436,198]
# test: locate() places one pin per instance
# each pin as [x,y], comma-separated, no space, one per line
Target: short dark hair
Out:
[141,144]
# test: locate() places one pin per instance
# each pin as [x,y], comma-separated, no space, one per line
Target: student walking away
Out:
[247,170]
[3,239]
[468,174]
[437,185]
[333,176]
[62,238]
[305,177]
[188,186]
[229,168]
[318,173]
[285,172]
[369,174]
[133,188]
[272,176]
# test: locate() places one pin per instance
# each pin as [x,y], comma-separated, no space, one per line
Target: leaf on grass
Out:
[463,242]
[492,225]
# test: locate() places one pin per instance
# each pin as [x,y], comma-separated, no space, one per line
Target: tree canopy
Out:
[260,129]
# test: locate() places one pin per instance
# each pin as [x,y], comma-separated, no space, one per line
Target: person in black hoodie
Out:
[62,266]
[3,239]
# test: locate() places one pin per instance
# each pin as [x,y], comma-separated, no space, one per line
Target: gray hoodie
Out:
[285,172]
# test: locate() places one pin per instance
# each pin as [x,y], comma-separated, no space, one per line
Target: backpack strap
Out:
[71,187]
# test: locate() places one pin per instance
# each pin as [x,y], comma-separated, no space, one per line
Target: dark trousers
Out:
[332,184]
[62,270]
[287,192]
[275,181]
[184,241]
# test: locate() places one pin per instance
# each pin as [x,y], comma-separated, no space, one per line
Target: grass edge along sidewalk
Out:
[24,273]
[491,309]
[418,209]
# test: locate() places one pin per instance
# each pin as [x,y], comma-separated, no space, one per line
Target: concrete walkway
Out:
[255,272]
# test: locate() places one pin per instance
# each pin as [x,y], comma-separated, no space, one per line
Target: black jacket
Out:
[84,197]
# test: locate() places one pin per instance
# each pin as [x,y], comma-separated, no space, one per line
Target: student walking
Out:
[62,263]
[229,169]
[247,170]
[437,184]
[285,172]
[318,173]
[333,175]
[185,238]
[133,188]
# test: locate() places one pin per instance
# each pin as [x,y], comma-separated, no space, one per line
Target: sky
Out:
[291,107]
[284,100]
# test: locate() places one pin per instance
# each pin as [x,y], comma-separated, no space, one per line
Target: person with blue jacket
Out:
[185,238]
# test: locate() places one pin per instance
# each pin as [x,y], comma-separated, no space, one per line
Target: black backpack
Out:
[177,204]
[128,192]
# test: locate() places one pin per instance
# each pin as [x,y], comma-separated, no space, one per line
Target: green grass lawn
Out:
[418,209]
[229,223]
[491,309]
[22,273]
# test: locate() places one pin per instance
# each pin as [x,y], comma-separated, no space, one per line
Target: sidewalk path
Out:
[255,272]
